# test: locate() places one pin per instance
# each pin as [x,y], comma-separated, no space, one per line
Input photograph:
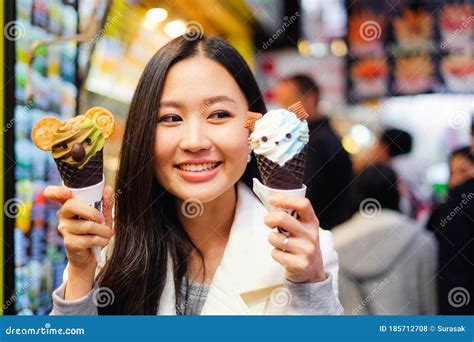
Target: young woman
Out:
[185,145]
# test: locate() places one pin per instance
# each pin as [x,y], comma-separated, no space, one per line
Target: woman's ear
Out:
[43,130]
[103,119]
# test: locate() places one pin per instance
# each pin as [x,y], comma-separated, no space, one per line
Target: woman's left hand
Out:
[301,256]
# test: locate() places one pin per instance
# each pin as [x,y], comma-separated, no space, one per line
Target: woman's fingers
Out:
[294,245]
[79,243]
[83,227]
[287,222]
[300,204]
[300,268]
[72,208]
[57,194]
[108,204]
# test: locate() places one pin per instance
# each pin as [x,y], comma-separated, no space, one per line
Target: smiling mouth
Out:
[198,167]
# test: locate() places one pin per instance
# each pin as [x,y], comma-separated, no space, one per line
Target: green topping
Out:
[87,123]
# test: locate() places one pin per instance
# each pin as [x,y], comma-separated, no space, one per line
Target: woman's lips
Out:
[197,173]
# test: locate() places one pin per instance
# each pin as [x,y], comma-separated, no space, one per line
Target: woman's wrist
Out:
[80,281]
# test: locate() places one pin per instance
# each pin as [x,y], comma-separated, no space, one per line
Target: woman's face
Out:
[201,144]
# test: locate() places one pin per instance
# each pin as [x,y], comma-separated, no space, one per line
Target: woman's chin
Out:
[202,192]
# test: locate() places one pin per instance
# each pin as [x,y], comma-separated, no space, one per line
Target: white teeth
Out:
[198,167]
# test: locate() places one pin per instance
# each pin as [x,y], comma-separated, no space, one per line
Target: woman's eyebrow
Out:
[171,103]
[221,98]
[208,102]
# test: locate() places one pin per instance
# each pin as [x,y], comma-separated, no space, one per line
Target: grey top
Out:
[307,299]
[197,294]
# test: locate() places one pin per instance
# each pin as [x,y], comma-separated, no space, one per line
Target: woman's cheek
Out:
[165,148]
[233,142]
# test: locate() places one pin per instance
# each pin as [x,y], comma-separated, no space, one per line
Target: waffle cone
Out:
[90,174]
[286,177]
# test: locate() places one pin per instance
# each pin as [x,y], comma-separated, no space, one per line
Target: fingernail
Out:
[64,193]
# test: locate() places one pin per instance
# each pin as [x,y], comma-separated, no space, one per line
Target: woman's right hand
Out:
[82,226]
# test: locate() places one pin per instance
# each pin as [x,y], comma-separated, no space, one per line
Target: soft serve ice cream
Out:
[278,140]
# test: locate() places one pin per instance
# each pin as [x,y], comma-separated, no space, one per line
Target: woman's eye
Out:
[170,118]
[219,115]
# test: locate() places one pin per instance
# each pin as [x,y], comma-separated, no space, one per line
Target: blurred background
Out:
[404,65]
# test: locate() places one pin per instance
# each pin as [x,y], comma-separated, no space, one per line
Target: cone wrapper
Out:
[263,192]
[91,195]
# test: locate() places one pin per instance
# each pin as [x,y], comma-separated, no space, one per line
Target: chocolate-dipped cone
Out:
[90,174]
[287,177]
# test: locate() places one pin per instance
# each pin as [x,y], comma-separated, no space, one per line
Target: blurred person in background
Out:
[328,167]
[387,261]
[453,225]
[472,134]
[394,149]
[461,166]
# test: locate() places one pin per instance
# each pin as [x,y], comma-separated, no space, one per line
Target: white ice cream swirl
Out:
[279,135]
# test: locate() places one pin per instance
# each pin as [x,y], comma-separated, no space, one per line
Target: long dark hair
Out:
[147,229]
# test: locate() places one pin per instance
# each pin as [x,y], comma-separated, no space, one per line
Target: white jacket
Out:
[247,275]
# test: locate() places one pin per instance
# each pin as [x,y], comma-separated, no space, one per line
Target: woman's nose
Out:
[195,137]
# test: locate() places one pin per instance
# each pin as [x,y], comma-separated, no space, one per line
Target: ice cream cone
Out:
[286,177]
[90,174]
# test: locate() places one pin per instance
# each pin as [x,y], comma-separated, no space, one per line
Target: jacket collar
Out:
[246,265]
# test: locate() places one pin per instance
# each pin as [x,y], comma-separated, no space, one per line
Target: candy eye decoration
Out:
[264,139]
[88,141]
[288,135]
[64,146]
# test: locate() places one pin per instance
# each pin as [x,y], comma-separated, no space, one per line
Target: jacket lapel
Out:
[247,272]
[246,265]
